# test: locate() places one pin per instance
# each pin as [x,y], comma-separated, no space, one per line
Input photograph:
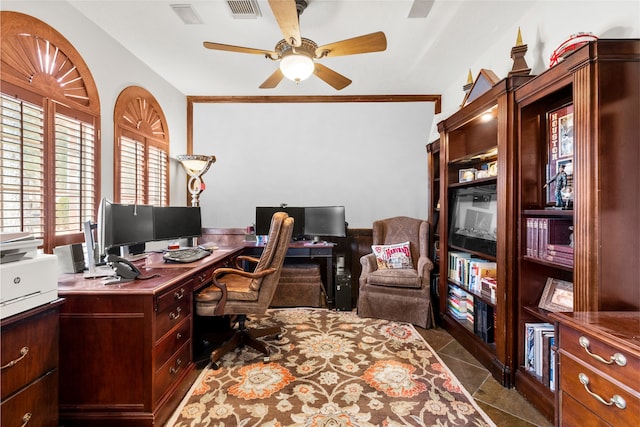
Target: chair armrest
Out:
[240,258]
[369,265]
[425,265]
[219,310]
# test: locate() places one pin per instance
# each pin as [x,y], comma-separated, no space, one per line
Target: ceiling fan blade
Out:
[231,48]
[273,80]
[374,42]
[338,81]
[286,14]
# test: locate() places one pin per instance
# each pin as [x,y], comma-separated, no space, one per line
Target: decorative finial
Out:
[469,83]
[520,67]
[469,77]
[519,38]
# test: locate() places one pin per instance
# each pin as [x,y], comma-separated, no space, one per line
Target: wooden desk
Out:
[126,348]
[306,250]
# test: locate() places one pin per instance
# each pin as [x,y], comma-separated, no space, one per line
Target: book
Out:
[552,363]
[553,249]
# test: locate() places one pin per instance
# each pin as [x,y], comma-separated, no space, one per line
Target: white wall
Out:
[369,157]
[113,69]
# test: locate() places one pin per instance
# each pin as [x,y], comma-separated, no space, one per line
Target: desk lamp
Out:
[195,165]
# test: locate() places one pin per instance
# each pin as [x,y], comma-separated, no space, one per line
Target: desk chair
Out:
[393,291]
[240,293]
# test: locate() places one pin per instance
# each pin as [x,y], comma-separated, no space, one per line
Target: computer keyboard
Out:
[185,255]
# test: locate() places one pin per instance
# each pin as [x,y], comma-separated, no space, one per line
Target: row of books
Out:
[539,354]
[468,271]
[550,239]
[477,315]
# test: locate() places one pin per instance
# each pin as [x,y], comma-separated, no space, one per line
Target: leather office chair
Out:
[240,293]
[399,294]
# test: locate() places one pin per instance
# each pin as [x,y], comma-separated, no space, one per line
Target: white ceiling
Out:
[424,55]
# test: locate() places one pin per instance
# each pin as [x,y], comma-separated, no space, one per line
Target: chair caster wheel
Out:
[215,366]
[266,359]
[279,337]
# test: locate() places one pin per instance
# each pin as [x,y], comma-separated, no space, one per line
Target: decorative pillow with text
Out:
[393,256]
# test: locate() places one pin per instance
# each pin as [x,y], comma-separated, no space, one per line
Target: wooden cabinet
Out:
[128,347]
[433,211]
[29,375]
[599,377]
[601,83]
[481,136]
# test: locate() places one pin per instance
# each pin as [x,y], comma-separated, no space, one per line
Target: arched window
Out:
[50,138]
[141,149]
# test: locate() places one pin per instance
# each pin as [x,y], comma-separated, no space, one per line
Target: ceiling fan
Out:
[297,55]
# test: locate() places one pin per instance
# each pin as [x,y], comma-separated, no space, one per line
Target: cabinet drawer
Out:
[571,340]
[574,414]
[171,371]
[570,373]
[37,405]
[171,342]
[171,316]
[176,295]
[29,350]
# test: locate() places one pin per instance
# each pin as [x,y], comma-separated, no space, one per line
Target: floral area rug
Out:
[331,369]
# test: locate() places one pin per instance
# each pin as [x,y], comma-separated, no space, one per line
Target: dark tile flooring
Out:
[506,407]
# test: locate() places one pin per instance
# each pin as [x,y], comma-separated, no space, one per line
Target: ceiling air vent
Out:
[244,9]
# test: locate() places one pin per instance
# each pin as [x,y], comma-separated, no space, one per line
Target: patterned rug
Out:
[331,369]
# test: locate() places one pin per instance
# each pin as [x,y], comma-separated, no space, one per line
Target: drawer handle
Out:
[26,418]
[178,295]
[173,370]
[617,357]
[615,400]
[176,315]
[23,353]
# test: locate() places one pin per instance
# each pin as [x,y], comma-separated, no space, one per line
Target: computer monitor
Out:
[265,213]
[123,225]
[324,221]
[176,222]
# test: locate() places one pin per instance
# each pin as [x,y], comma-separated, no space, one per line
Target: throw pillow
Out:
[393,256]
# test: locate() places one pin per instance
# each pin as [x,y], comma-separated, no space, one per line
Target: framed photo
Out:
[560,147]
[557,296]
[466,175]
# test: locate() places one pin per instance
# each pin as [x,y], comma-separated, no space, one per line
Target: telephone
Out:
[124,269]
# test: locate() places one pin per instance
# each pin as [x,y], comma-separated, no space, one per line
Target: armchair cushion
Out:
[393,256]
[399,278]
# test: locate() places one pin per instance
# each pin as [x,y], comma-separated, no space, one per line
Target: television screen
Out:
[176,222]
[123,225]
[264,214]
[473,218]
[325,221]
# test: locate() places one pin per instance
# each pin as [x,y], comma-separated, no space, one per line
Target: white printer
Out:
[27,279]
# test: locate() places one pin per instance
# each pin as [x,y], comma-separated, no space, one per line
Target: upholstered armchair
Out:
[239,293]
[397,287]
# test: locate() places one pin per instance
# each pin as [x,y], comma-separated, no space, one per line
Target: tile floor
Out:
[506,407]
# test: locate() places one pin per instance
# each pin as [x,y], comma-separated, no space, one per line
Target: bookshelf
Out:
[600,82]
[480,136]
[433,209]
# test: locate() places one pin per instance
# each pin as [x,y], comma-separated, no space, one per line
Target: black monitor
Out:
[265,213]
[325,221]
[176,222]
[124,225]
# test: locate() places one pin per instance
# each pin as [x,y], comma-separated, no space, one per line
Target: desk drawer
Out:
[34,406]
[168,318]
[178,294]
[171,342]
[574,414]
[574,342]
[29,350]
[171,371]
[571,371]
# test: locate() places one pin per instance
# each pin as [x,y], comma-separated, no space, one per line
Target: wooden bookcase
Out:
[433,210]
[602,82]
[469,139]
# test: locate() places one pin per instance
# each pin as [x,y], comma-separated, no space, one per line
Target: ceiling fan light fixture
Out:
[297,66]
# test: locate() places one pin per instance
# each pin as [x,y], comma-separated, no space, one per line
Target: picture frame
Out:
[560,143]
[466,175]
[557,296]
